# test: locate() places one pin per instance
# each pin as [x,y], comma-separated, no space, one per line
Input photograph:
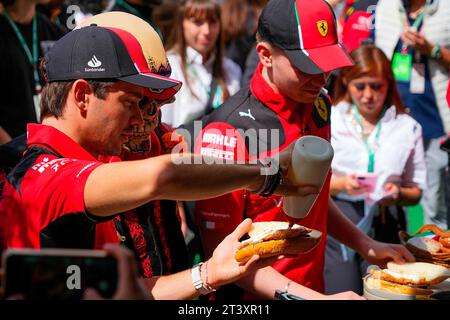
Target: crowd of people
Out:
[134,123]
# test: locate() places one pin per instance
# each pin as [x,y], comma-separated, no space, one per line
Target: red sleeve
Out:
[58,186]
[223,141]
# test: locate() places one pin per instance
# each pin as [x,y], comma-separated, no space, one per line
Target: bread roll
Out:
[277,230]
[270,239]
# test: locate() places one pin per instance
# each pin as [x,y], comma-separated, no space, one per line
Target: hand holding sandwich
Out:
[224,268]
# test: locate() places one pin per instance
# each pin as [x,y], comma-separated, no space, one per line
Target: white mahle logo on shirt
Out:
[94,65]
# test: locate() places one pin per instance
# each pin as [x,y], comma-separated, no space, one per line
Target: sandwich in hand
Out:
[413,278]
[268,239]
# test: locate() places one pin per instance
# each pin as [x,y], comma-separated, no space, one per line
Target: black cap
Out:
[96,53]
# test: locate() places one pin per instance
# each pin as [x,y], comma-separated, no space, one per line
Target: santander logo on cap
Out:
[94,62]
[94,65]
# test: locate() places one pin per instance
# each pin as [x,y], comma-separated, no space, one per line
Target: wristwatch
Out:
[197,280]
[436,52]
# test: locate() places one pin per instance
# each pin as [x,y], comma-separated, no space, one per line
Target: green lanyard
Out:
[370,151]
[418,20]
[33,58]
[415,25]
[218,92]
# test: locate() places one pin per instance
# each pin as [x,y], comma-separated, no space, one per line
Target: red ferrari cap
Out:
[306,30]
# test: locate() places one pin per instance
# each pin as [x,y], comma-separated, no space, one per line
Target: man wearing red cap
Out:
[297,48]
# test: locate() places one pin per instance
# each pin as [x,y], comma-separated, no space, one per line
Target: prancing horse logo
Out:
[322,26]
[321,108]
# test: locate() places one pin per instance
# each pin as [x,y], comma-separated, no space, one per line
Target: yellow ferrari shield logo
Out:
[322,26]
[321,108]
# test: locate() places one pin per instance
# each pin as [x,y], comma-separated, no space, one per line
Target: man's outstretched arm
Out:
[116,187]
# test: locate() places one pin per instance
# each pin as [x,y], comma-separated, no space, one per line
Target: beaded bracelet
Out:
[207,285]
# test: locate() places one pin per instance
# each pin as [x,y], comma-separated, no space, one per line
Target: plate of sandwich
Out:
[429,244]
[409,281]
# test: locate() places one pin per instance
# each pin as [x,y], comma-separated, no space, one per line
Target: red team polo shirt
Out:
[264,115]
[43,197]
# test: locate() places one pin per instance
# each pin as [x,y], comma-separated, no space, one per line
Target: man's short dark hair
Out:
[54,94]
[259,37]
